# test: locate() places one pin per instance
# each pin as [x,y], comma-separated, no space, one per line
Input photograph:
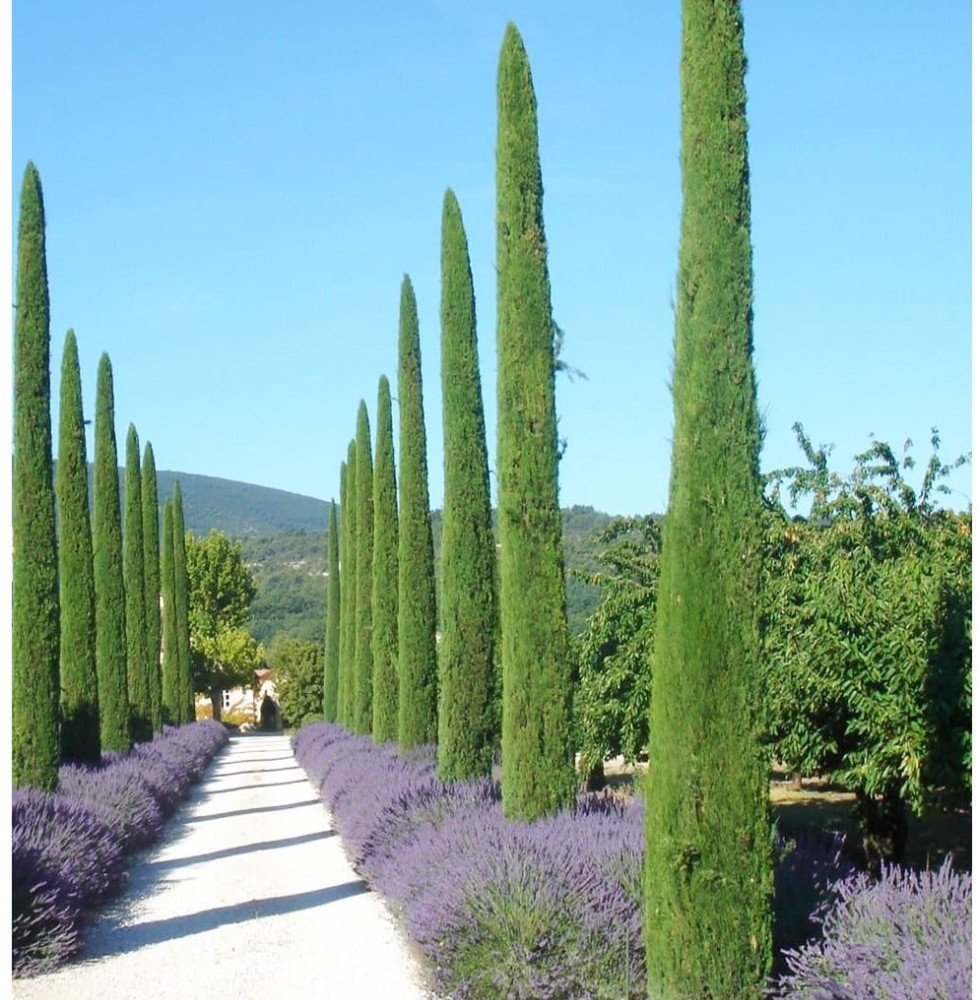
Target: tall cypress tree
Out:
[170,669]
[151,570]
[80,741]
[36,631]
[417,716]
[331,660]
[538,757]
[466,653]
[110,591]
[385,574]
[364,658]
[348,586]
[137,659]
[708,868]
[181,590]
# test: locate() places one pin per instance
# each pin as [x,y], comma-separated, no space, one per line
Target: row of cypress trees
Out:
[708,872]
[388,671]
[87,586]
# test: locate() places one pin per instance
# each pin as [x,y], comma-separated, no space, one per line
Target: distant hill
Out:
[241,510]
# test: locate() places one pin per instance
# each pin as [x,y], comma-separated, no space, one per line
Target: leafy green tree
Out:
[151,568]
[611,700]
[708,863]
[170,664]
[139,680]
[467,659]
[36,629]
[298,670]
[385,581]
[80,741]
[348,586]
[331,668]
[537,726]
[221,589]
[181,588]
[417,662]
[867,643]
[110,592]
[362,721]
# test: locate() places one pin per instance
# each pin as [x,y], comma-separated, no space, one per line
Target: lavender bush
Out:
[552,909]
[69,848]
[905,937]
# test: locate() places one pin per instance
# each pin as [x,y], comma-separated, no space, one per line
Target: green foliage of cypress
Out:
[331,666]
[538,759]
[466,653]
[181,590]
[80,740]
[170,670]
[708,866]
[151,572]
[417,717]
[348,589]
[36,630]
[137,658]
[385,583]
[362,720]
[110,593]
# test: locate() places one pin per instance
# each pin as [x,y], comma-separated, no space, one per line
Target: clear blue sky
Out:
[234,190]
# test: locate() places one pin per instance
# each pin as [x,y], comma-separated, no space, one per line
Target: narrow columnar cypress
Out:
[708,866]
[384,602]
[80,740]
[348,587]
[364,672]
[36,630]
[538,757]
[110,591]
[331,660]
[466,652]
[170,664]
[181,590]
[137,658]
[417,716]
[151,570]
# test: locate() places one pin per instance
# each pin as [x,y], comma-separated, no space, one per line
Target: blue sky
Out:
[235,188]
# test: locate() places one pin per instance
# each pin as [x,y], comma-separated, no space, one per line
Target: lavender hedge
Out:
[70,848]
[549,909]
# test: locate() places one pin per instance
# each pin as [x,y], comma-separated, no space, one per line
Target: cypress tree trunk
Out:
[181,587]
[110,593]
[36,631]
[137,658]
[417,717]
[466,653]
[348,586]
[151,569]
[331,660]
[80,740]
[385,583]
[364,672]
[708,866]
[170,684]
[538,758]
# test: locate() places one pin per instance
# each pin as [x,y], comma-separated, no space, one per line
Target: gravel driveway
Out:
[249,895]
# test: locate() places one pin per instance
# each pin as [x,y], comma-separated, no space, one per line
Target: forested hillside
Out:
[290,570]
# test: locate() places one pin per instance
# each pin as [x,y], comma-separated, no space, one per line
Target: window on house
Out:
[226,699]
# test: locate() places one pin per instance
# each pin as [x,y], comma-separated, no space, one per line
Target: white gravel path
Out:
[249,895]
